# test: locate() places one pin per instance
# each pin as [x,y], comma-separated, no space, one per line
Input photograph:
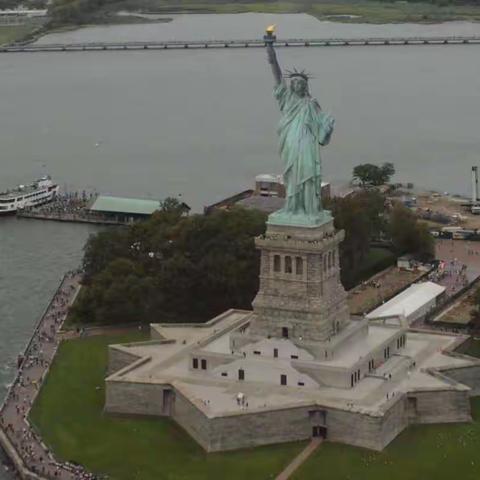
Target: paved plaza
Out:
[459,252]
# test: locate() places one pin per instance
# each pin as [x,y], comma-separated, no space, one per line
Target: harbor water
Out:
[201,124]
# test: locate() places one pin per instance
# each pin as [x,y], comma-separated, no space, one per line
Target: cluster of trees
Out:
[408,234]
[8,4]
[190,268]
[362,216]
[183,268]
[74,11]
[368,174]
[11,4]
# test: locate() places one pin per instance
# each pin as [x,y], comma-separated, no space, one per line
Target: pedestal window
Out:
[288,264]
[299,265]
[276,263]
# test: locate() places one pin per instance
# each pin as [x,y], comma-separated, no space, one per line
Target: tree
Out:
[408,234]
[361,216]
[173,205]
[373,175]
[173,266]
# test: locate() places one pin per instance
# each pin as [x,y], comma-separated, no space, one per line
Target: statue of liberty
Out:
[303,127]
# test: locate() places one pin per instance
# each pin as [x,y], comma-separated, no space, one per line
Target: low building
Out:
[268,185]
[268,195]
[123,209]
[406,262]
[413,303]
[22,16]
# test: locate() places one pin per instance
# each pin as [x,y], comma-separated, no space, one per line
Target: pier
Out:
[22,444]
[255,43]
[94,209]
[70,217]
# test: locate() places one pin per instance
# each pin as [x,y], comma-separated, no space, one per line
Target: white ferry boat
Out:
[24,196]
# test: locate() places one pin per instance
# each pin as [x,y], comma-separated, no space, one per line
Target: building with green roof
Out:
[124,209]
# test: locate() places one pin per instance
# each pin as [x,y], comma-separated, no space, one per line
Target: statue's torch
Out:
[269,36]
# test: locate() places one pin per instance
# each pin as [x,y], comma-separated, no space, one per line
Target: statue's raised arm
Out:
[272,56]
[302,128]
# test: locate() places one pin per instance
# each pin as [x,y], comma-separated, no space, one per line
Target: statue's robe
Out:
[303,126]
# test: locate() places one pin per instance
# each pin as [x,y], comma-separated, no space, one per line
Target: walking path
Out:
[299,459]
[17,435]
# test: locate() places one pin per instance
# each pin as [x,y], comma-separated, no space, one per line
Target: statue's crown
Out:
[297,73]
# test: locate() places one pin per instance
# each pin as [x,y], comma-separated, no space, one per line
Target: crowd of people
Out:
[67,204]
[452,275]
[33,365]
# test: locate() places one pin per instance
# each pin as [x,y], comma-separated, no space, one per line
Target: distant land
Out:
[73,13]
[98,11]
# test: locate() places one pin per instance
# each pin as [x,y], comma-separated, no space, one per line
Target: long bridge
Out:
[257,43]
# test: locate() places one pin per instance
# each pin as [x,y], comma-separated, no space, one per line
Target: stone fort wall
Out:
[134,398]
[288,424]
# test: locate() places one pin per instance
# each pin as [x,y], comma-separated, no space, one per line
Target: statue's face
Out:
[299,85]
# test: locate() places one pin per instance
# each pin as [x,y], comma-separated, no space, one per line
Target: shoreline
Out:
[18,437]
[368,13]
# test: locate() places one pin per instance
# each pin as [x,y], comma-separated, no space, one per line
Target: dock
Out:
[254,43]
[96,210]
[69,217]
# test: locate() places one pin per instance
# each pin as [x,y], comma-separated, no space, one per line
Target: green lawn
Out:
[472,348]
[69,415]
[13,32]
[427,452]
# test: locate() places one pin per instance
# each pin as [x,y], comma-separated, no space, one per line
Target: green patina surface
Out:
[302,128]
[104,203]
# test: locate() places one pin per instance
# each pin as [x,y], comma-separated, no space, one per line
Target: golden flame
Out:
[271,29]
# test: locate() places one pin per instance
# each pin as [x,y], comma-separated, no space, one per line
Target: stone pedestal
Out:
[300,295]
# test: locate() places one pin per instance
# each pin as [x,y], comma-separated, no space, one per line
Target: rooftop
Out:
[265,204]
[104,203]
[409,301]
[214,395]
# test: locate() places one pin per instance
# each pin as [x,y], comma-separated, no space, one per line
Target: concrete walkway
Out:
[21,441]
[299,459]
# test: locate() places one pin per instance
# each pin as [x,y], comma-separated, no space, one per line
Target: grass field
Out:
[11,33]
[430,452]
[69,415]
[473,348]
